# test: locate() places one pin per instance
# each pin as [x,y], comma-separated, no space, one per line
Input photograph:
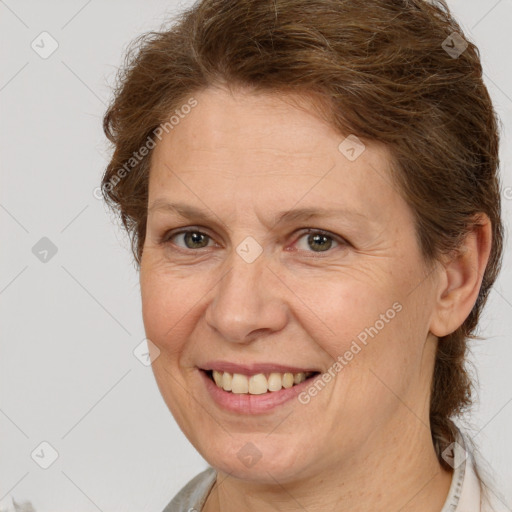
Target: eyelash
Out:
[166,239]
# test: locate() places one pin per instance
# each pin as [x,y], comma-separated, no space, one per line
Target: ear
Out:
[460,279]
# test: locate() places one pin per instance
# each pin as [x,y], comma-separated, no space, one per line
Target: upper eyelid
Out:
[299,234]
[179,231]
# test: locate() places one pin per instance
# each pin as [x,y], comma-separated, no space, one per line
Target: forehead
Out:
[276,148]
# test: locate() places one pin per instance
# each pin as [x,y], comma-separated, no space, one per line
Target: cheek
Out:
[167,307]
[369,325]
[382,356]
[348,308]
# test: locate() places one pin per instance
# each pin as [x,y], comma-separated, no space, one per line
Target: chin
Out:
[258,462]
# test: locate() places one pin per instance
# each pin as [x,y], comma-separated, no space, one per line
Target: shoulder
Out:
[192,496]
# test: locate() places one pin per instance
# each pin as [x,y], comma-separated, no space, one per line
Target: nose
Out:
[247,302]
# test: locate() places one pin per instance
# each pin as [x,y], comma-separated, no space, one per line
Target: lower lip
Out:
[252,404]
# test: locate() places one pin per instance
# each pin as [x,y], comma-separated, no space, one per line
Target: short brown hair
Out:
[384,71]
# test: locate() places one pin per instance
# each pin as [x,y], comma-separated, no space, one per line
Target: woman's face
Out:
[340,289]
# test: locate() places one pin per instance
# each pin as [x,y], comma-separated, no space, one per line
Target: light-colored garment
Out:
[464,493]
[192,497]
[463,496]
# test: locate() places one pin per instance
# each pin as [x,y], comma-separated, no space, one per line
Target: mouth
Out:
[258,383]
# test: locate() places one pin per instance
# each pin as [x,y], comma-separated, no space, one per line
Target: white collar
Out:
[464,493]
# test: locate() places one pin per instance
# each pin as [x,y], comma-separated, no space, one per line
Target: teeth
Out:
[239,384]
[275,382]
[299,377]
[257,384]
[287,380]
[217,376]
[226,381]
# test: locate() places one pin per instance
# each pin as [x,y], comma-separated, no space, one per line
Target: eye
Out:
[319,241]
[192,239]
[313,240]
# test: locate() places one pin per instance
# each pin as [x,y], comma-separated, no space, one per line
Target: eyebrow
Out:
[286,216]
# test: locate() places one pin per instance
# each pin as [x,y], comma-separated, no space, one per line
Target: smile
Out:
[242,399]
[259,383]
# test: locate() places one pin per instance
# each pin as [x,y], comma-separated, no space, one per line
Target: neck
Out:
[404,475]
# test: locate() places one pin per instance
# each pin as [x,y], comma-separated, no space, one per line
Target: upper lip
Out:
[253,368]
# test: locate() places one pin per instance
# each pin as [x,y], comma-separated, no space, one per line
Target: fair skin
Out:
[363,442]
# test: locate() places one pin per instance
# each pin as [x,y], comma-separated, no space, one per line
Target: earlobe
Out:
[461,280]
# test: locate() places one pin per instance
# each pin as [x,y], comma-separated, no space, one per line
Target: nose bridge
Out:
[243,301]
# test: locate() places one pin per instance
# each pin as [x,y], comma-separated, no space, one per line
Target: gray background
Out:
[68,375]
